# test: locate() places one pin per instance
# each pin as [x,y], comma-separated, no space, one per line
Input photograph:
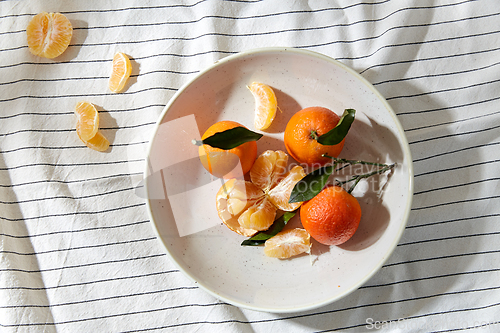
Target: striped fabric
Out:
[78,253]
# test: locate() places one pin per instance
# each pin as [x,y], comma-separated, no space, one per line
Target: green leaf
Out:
[309,186]
[339,132]
[261,237]
[231,138]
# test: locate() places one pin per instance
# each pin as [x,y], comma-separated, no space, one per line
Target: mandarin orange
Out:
[301,133]
[224,163]
[121,70]
[331,217]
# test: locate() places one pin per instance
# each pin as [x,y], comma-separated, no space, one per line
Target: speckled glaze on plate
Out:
[244,276]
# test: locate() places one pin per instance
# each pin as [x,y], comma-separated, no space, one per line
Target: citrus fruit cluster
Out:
[250,207]
[247,207]
[49,35]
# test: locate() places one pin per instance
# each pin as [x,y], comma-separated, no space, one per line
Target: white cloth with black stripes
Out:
[77,250]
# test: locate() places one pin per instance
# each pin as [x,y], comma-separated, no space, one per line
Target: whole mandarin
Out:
[331,217]
[223,163]
[304,128]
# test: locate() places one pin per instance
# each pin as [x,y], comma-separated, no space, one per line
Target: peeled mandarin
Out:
[49,34]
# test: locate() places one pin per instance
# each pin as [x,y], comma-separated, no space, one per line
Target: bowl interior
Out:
[181,194]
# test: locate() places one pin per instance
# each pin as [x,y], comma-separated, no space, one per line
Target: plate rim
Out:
[406,153]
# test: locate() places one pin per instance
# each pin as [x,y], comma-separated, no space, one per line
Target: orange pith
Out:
[288,243]
[331,217]
[265,105]
[49,34]
[224,163]
[121,70]
[87,122]
[250,206]
[300,134]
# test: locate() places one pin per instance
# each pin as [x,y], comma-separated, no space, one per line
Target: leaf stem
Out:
[352,162]
[357,178]
[197,142]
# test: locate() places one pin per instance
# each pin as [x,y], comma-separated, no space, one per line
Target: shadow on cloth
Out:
[20,268]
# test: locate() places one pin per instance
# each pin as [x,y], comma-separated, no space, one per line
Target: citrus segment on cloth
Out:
[223,163]
[301,133]
[288,243]
[265,105]
[331,217]
[87,120]
[49,34]
[98,142]
[120,73]
[269,173]
[280,194]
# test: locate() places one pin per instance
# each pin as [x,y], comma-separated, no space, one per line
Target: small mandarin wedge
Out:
[288,243]
[87,127]
[98,142]
[266,105]
[87,120]
[49,34]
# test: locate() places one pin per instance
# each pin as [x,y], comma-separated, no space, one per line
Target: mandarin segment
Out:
[280,194]
[266,105]
[98,142]
[121,70]
[269,168]
[49,34]
[87,127]
[288,243]
[87,120]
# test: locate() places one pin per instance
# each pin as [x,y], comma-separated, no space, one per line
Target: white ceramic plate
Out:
[208,252]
